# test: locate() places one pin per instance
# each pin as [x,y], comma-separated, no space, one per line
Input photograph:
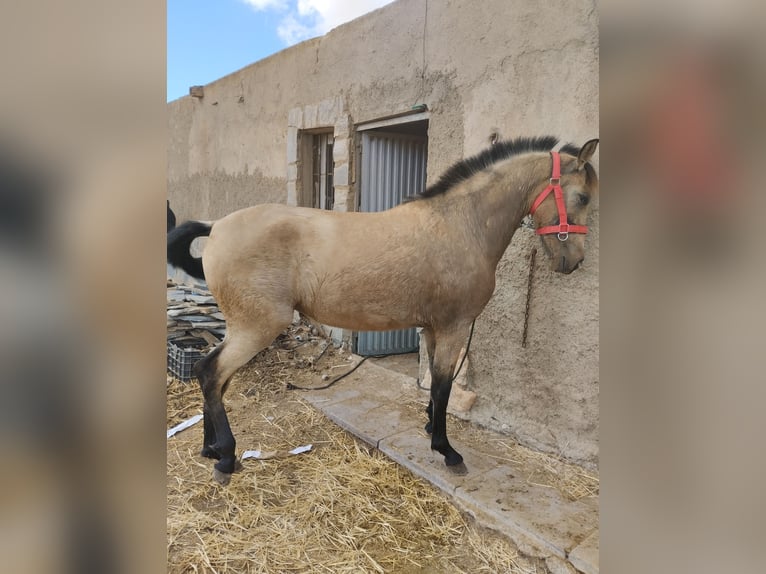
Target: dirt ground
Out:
[341,507]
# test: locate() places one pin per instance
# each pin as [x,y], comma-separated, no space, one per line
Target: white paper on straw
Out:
[260,455]
[184,425]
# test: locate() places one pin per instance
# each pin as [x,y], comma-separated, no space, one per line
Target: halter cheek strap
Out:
[563,229]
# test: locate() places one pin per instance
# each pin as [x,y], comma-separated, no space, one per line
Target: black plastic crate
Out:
[183,355]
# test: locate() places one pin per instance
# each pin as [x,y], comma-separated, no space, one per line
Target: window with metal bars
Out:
[323,192]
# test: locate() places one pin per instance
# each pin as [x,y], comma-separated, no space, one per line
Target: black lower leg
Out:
[430,412]
[218,441]
[440,392]
[225,444]
[208,439]
[204,371]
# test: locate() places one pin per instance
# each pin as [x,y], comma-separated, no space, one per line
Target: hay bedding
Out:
[342,507]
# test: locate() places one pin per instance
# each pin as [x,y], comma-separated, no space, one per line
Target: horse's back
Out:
[306,229]
[261,225]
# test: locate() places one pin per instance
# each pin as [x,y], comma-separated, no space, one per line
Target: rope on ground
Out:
[292,387]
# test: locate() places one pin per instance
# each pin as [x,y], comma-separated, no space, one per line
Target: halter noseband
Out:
[563,229]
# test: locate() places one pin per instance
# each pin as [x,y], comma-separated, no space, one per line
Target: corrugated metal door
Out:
[393,167]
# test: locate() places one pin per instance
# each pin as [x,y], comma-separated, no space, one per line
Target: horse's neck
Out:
[496,205]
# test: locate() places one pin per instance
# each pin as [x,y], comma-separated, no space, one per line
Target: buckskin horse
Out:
[429,262]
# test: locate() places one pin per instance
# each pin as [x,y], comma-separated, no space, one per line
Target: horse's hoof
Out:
[453,459]
[221,478]
[429,428]
[459,469]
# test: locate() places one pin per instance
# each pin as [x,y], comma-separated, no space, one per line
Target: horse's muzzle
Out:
[566,267]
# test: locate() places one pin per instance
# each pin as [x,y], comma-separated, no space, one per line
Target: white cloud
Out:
[332,13]
[291,31]
[309,18]
[267,4]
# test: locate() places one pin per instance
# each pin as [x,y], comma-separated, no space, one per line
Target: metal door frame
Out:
[406,340]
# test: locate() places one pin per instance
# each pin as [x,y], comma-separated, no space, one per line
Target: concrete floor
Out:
[406,364]
[381,404]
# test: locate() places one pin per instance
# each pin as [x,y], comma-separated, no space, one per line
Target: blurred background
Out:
[82,198]
[682,389]
[82,202]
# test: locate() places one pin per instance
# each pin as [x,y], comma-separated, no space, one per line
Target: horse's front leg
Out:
[430,341]
[441,385]
[443,365]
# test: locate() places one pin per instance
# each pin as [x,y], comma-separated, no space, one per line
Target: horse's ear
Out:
[586,152]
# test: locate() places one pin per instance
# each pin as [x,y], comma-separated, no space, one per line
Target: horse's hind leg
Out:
[204,370]
[214,373]
[446,351]
[201,370]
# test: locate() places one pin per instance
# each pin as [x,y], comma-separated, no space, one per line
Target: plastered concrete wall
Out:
[515,67]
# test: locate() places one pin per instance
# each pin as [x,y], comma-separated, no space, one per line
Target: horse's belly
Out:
[358,318]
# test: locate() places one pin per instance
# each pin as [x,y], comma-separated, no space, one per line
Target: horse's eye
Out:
[583,199]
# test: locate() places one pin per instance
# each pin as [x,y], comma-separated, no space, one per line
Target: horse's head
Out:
[560,207]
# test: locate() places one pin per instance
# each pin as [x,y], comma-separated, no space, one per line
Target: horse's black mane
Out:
[465,168]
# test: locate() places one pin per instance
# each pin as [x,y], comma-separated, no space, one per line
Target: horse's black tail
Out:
[179,241]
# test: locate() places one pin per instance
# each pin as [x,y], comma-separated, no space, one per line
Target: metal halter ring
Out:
[563,236]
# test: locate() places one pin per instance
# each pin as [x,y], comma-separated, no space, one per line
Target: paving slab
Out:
[371,405]
[370,420]
[385,409]
[368,383]
[540,513]
[412,449]
[585,556]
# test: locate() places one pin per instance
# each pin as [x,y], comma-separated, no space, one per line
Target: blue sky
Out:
[208,39]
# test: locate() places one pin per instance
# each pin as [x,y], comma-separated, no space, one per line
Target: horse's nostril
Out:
[567,269]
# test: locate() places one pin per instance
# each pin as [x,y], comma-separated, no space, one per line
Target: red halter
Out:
[562,229]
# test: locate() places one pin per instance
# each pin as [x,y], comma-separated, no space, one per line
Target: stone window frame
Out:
[327,114]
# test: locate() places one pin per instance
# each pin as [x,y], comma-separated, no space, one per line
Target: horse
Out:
[429,262]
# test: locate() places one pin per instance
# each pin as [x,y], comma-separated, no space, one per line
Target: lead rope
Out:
[292,387]
[529,296]
[467,347]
